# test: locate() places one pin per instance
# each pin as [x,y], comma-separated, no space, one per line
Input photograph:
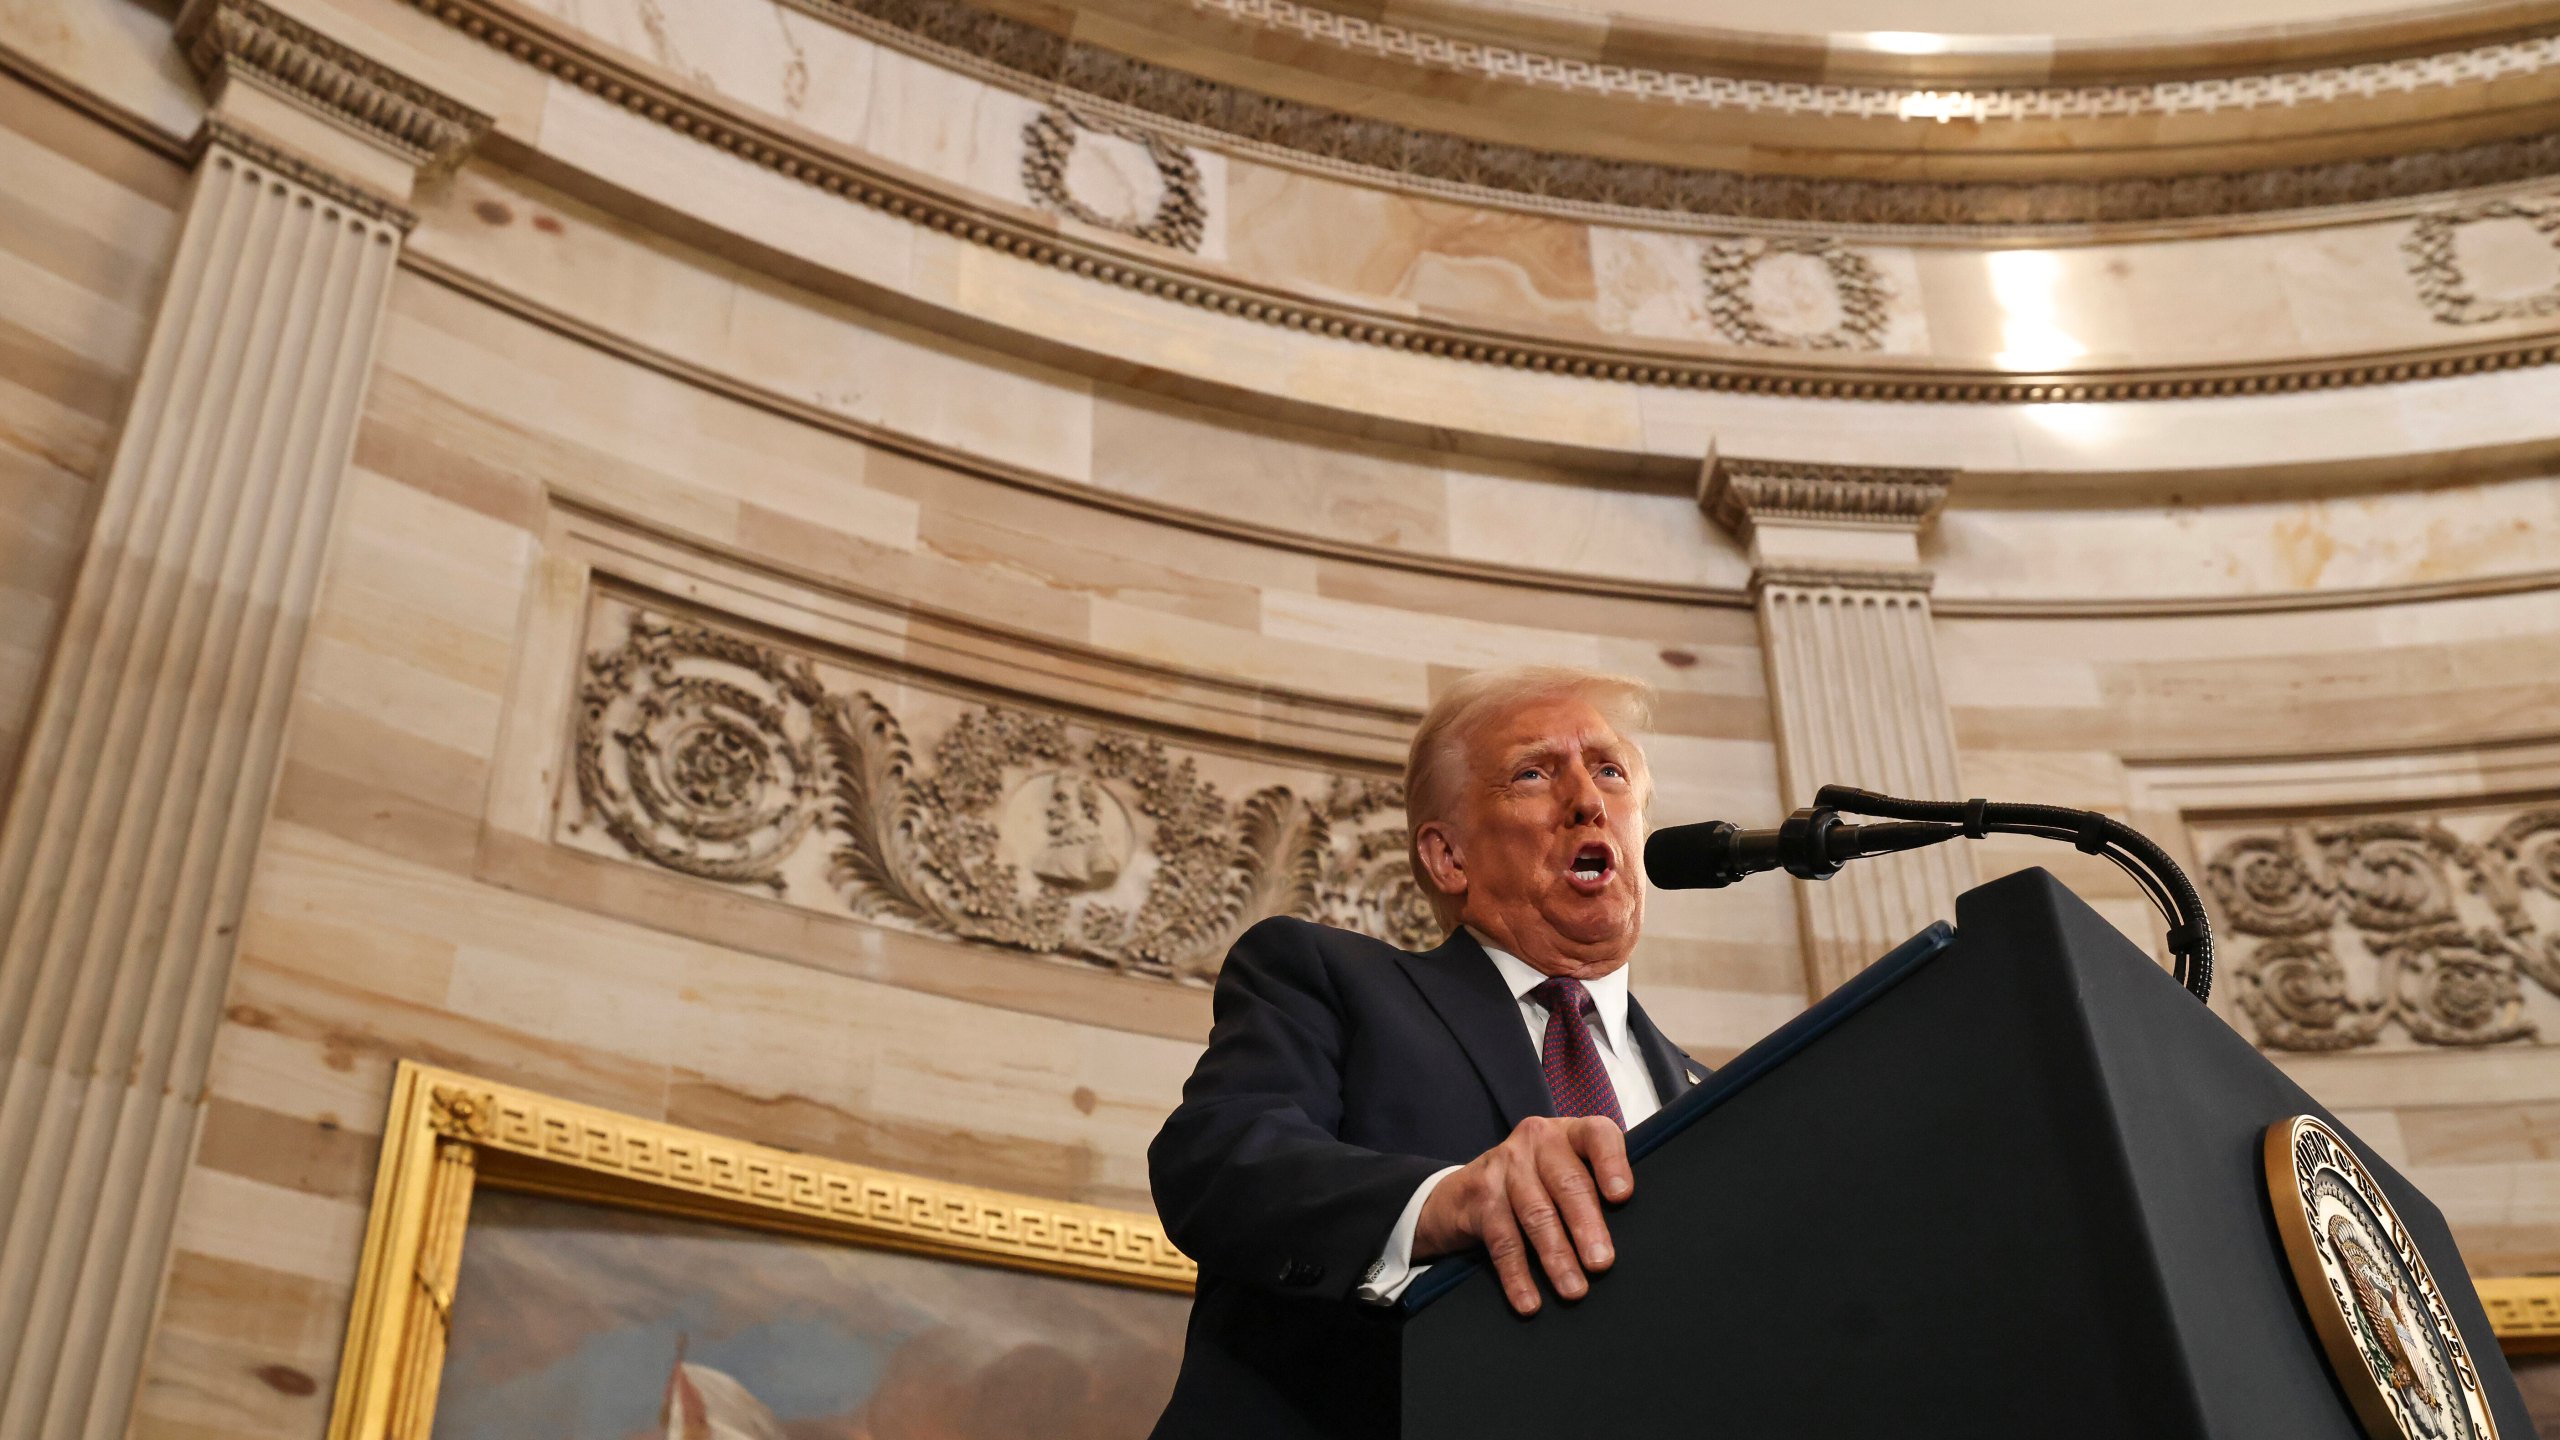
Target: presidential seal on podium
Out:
[2376,1307]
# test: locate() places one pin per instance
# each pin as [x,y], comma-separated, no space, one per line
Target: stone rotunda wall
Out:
[809,588]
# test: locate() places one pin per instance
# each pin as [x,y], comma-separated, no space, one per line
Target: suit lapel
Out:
[1460,984]
[1672,1070]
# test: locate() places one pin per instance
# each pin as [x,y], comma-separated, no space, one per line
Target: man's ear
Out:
[1440,858]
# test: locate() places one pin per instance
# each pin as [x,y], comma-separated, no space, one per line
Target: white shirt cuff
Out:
[1394,1268]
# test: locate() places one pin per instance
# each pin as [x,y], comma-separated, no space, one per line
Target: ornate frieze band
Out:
[232,38]
[2349,932]
[2479,64]
[1742,492]
[712,754]
[1028,58]
[544,45]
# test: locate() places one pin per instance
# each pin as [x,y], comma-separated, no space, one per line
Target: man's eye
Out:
[1532,773]
[1613,772]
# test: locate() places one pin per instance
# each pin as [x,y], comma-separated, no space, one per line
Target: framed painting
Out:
[536,1269]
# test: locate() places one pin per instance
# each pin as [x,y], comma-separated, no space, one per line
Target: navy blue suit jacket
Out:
[1341,1072]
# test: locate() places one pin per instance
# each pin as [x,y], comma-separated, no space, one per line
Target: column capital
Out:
[1742,494]
[1813,525]
[271,77]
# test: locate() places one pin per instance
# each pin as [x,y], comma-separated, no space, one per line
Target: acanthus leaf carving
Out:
[2437,925]
[717,756]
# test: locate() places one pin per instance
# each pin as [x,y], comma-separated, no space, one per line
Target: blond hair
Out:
[1435,768]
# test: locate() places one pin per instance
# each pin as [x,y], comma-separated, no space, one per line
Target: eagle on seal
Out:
[2378,1296]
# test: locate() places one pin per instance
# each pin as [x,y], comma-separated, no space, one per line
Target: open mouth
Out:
[1591,868]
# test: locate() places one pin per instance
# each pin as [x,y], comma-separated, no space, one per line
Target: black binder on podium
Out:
[2005,1183]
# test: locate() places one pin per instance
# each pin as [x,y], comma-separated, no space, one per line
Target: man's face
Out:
[1544,841]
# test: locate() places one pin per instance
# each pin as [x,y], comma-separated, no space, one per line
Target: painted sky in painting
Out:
[569,1317]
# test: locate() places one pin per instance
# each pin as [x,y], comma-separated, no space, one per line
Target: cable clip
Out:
[1974,828]
[2093,833]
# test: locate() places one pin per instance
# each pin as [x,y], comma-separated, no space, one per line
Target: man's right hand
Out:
[1538,1190]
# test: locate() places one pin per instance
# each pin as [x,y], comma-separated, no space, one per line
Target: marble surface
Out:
[2428,427]
[86,230]
[867,436]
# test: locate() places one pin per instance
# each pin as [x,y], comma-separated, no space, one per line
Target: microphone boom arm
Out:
[2167,885]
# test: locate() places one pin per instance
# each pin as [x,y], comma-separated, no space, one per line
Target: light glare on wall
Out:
[1904,42]
[2027,286]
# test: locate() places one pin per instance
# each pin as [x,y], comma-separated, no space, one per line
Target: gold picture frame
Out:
[449,1133]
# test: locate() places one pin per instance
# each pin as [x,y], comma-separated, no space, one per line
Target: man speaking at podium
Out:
[1363,1110]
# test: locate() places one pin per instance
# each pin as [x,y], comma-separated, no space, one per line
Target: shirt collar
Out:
[1608,993]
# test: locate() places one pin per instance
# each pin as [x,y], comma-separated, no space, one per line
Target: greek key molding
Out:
[258,153]
[928,1213]
[2477,64]
[706,752]
[1181,213]
[1740,493]
[2424,926]
[226,39]
[1856,284]
[2446,291]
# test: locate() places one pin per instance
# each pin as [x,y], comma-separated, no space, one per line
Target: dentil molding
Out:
[1742,493]
[231,40]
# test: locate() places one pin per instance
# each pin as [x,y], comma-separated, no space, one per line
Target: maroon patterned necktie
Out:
[1576,1079]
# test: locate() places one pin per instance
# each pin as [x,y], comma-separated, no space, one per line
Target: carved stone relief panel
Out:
[2491,261]
[709,751]
[1121,178]
[2439,928]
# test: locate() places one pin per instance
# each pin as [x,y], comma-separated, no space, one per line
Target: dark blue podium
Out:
[2005,1183]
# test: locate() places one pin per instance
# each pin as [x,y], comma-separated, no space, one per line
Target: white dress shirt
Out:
[1394,1268]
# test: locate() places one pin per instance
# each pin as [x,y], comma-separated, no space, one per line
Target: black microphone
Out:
[1812,845]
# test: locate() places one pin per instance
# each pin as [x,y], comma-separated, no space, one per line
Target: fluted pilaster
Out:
[126,849]
[1853,679]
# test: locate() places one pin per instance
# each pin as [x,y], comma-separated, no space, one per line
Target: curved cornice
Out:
[1950,87]
[1565,582]
[2093,139]
[227,38]
[1153,271]
[1549,35]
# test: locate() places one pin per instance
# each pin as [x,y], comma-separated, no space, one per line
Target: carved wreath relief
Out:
[2444,286]
[1857,287]
[1180,210]
[722,757]
[2343,930]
